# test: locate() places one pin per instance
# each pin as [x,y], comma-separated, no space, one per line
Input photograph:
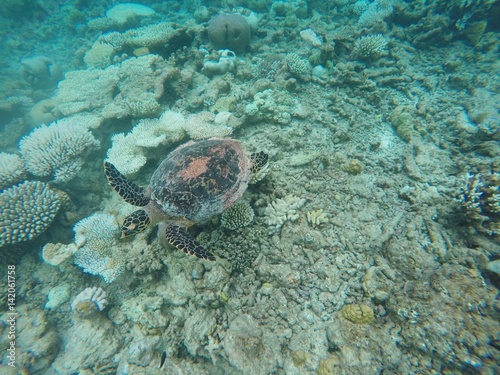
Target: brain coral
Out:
[230,31]
[56,150]
[27,211]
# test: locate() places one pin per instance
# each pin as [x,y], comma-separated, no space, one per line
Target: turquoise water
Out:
[354,222]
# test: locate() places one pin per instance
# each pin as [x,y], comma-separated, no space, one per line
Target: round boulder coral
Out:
[231,31]
[27,211]
[237,216]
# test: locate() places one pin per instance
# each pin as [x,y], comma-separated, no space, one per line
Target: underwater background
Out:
[369,246]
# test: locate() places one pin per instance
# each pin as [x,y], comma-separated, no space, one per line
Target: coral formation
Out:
[480,197]
[239,215]
[57,296]
[231,31]
[89,301]
[317,217]
[12,170]
[128,151]
[27,211]
[99,56]
[296,65]
[97,253]
[57,150]
[359,314]
[40,71]
[226,63]
[370,46]
[124,12]
[45,112]
[130,88]
[309,36]
[55,254]
[281,210]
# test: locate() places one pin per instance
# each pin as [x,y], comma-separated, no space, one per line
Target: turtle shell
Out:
[201,179]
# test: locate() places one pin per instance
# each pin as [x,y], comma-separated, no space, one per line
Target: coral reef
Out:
[239,215]
[281,210]
[57,150]
[28,209]
[89,302]
[231,31]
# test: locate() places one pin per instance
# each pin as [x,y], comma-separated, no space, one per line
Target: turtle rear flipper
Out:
[129,191]
[181,239]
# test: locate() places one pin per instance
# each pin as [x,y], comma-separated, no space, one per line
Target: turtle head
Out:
[135,223]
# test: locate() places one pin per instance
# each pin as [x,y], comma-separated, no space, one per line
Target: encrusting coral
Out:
[27,211]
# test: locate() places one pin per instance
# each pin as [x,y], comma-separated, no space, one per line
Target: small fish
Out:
[163,358]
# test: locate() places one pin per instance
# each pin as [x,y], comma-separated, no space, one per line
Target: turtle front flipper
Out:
[259,166]
[181,239]
[129,191]
[136,222]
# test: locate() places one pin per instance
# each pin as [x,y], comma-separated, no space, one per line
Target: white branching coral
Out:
[97,252]
[281,210]
[56,150]
[11,170]
[89,302]
[370,46]
[27,210]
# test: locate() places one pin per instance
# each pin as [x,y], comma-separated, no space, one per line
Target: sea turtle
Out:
[194,182]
